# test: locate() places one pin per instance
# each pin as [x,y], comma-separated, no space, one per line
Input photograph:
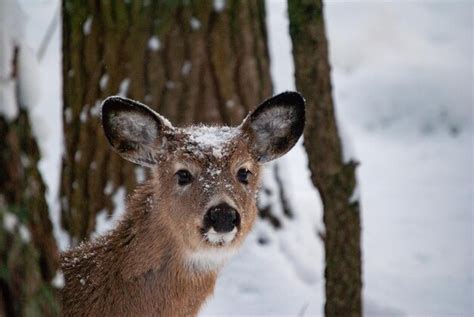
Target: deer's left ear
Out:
[275,126]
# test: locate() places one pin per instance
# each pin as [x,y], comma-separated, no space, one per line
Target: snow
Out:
[29,91]
[140,174]
[10,33]
[154,43]
[22,88]
[402,79]
[417,219]
[403,86]
[68,115]
[46,114]
[109,188]
[11,37]
[8,101]
[86,27]
[347,144]
[219,5]
[104,80]
[170,84]
[195,23]
[58,280]
[83,114]
[416,58]
[9,221]
[214,139]
[123,88]
[25,234]
[106,222]
[186,68]
[355,197]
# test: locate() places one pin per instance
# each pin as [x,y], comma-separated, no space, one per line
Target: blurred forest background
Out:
[388,87]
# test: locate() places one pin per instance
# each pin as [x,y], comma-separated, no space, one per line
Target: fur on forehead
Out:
[209,141]
[196,149]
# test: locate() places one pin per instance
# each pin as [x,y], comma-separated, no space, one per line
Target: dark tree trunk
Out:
[185,59]
[28,251]
[334,178]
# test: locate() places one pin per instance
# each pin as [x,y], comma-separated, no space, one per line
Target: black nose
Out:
[223,218]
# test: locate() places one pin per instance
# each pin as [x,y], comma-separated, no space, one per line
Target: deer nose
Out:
[223,218]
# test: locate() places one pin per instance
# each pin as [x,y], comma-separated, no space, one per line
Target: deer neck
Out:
[151,258]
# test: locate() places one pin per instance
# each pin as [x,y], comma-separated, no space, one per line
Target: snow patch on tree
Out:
[219,5]
[186,69]
[8,101]
[195,23]
[19,72]
[123,89]
[9,221]
[11,35]
[348,150]
[104,80]
[86,28]
[106,222]
[58,280]
[154,43]
[28,77]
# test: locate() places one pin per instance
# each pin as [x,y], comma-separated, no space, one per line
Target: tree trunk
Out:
[190,61]
[334,178]
[28,251]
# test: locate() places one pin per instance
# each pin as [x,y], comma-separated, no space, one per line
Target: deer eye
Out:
[243,175]
[184,177]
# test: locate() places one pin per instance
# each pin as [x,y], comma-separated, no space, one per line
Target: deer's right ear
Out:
[134,130]
[275,126]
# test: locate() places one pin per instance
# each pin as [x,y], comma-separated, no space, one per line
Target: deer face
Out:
[206,179]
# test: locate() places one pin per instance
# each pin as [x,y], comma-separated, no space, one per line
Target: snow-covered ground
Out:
[402,74]
[403,77]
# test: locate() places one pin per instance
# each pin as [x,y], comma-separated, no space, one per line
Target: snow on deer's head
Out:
[206,178]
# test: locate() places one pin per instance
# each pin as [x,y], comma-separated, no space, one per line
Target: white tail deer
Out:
[182,224]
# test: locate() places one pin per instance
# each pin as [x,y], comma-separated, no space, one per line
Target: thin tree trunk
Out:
[334,178]
[28,251]
[188,60]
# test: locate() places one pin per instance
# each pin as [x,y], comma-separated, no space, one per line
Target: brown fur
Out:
[140,268]
[160,260]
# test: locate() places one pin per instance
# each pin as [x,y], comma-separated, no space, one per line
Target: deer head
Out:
[205,178]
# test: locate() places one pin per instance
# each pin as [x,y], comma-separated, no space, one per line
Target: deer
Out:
[189,217]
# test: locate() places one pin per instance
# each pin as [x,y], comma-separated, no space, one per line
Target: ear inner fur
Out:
[133,129]
[275,126]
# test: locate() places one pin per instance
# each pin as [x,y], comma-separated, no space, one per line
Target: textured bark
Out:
[28,251]
[334,178]
[183,58]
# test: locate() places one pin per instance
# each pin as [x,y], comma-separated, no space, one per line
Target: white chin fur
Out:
[218,238]
[212,258]
[209,259]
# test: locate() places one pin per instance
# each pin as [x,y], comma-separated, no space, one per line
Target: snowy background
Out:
[403,85]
